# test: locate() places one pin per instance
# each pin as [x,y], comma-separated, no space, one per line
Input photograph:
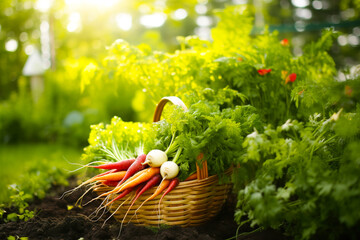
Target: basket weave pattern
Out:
[191,203]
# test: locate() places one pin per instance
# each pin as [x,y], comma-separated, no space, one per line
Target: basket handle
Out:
[202,170]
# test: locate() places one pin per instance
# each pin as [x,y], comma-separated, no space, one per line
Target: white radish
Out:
[169,170]
[155,158]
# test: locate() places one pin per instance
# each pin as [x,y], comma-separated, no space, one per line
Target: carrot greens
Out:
[208,129]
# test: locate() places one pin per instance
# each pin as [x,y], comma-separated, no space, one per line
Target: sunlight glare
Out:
[29,49]
[93,3]
[300,3]
[124,21]
[204,33]
[153,20]
[43,5]
[11,45]
[317,4]
[303,13]
[74,22]
[201,8]
[204,21]
[179,14]
[353,40]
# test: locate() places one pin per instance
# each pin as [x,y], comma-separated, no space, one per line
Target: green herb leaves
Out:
[306,175]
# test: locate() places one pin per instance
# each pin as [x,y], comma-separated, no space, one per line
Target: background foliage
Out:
[72,35]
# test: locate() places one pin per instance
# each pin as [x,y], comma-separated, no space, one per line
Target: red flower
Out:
[290,78]
[263,72]
[348,91]
[284,42]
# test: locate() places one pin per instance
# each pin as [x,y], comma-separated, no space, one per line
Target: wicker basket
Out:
[191,203]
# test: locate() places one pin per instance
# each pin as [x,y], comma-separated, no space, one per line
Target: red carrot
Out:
[152,182]
[135,167]
[122,165]
[121,195]
[163,185]
[155,180]
[110,183]
[173,183]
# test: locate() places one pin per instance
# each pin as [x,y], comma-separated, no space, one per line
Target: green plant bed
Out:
[28,171]
[18,161]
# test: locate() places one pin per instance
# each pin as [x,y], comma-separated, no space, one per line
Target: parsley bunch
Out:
[307,178]
[205,129]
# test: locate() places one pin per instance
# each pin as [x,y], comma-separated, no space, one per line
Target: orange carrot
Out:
[116,176]
[138,178]
[87,182]
[107,172]
[146,175]
[191,177]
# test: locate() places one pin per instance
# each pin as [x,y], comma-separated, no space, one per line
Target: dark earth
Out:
[53,220]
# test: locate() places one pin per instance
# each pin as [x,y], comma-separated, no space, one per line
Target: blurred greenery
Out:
[73,36]
[24,164]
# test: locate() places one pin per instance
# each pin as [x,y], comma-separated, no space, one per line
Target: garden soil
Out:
[55,220]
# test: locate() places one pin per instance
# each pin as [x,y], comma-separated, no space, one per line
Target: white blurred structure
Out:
[34,68]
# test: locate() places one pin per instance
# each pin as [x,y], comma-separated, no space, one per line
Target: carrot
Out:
[86,182]
[122,165]
[135,167]
[163,185]
[138,178]
[191,177]
[115,176]
[174,182]
[107,172]
[121,195]
[110,183]
[152,182]
[146,175]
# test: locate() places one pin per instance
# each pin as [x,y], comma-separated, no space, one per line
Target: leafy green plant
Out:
[35,183]
[296,173]
[306,176]
[19,200]
[261,67]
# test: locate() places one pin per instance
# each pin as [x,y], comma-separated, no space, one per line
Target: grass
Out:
[18,160]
